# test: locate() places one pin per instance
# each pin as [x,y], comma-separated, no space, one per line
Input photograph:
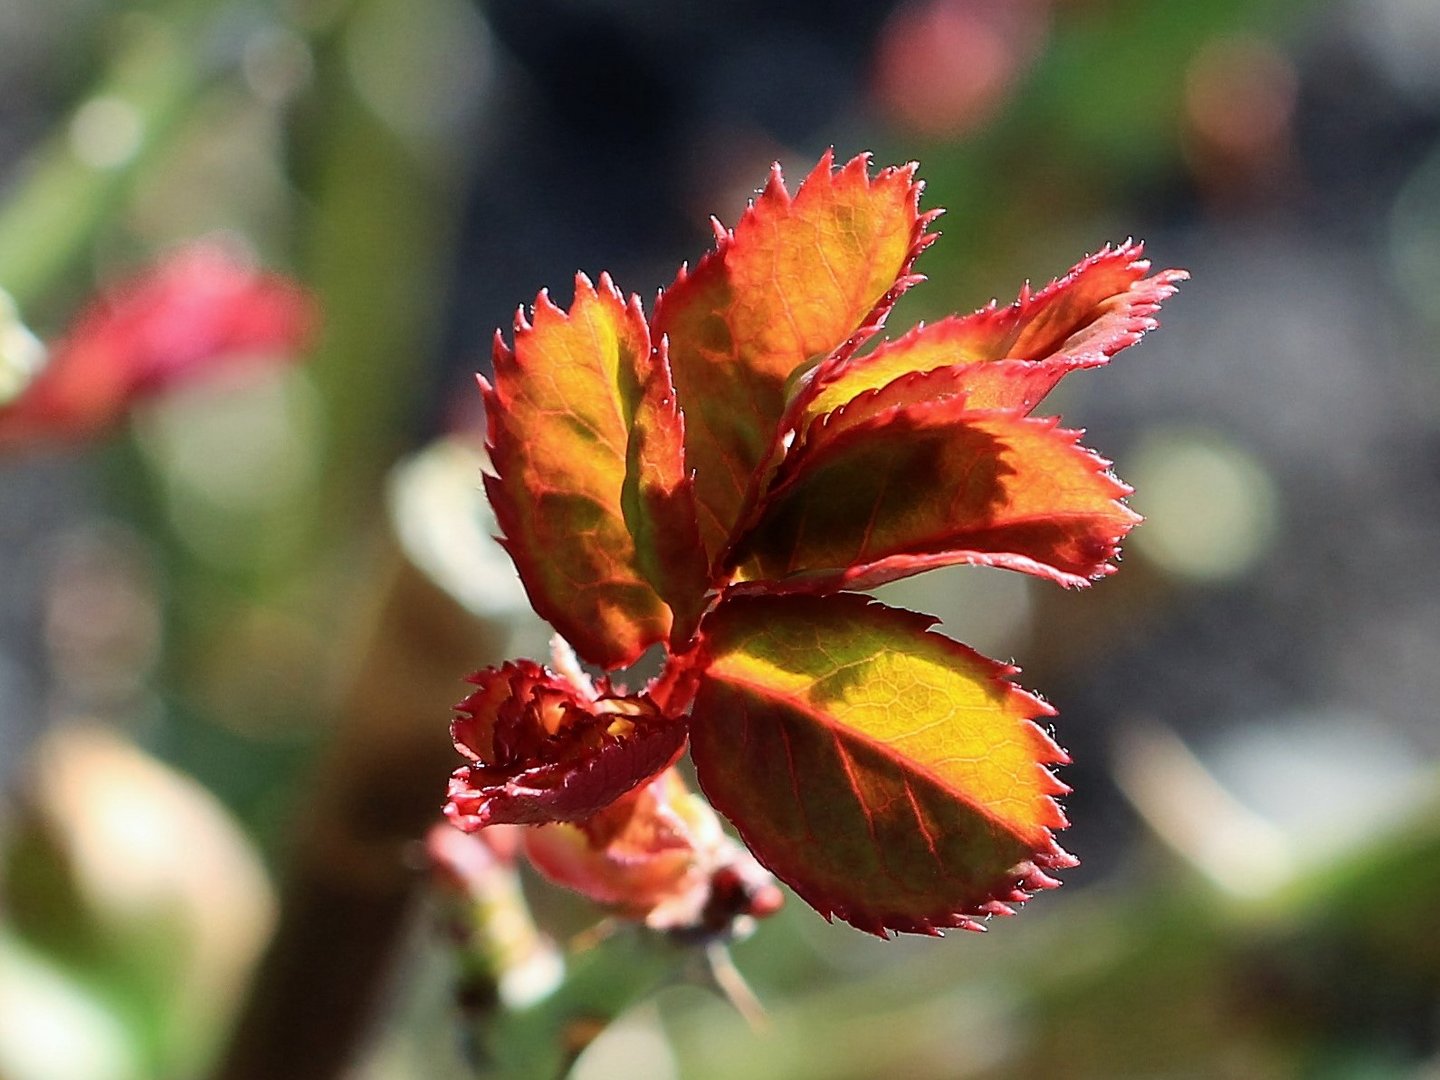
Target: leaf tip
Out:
[775,186]
[521,322]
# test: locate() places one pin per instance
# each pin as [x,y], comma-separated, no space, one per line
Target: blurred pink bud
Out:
[944,67]
[658,855]
[1241,93]
[463,862]
[200,310]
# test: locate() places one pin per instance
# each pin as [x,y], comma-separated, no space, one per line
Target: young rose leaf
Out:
[891,776]
[798,279]
[1079,321]
[658,499]
[931,484]
[1013,386]
[542,749]
[560,416]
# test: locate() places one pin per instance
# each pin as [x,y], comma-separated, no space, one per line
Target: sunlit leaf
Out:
[718,481]
[1101,306]
[933,484]
[797,279]
[560,416]
[891,776]
[658,499]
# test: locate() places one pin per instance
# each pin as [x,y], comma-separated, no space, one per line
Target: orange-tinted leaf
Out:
[931,484]
[541,749]
[798,279]
[659,502]
[1081,320]
[891,776]
[1010,385]
[560,424]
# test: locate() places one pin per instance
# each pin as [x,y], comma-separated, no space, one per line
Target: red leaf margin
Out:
[1121,319]
[1091,563]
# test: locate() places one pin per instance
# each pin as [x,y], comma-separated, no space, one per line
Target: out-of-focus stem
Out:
[60,200]
[349,882]
[353,873]
[505,962]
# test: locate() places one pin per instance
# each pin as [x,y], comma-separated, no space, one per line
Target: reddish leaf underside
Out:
[934,484]
[560,417]
[1101,306]
[637,853]
[797,279]
[891,776]
[539,750]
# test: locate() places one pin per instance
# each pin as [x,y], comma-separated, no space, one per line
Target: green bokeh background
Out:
[1247,700]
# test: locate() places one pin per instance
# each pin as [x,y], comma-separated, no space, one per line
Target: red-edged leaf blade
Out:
[798,279]
[931,484]
[1014,386]
[1103,305]
[891,776]
[559,424]
[658,499]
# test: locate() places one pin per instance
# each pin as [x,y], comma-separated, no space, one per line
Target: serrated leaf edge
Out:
[543,311]
[889,568]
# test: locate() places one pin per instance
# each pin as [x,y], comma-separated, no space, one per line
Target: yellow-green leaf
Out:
[894,778]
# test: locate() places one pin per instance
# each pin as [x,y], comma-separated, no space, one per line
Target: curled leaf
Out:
[658,500]
[1011,357]
[891,776]
[541,749]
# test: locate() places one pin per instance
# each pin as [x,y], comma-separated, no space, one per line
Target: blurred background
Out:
[230,629]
